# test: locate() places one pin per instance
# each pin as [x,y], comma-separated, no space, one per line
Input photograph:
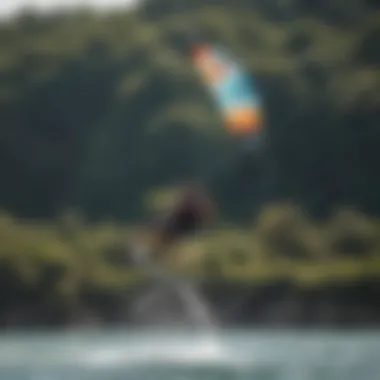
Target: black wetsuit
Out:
[187,218]
[184,221]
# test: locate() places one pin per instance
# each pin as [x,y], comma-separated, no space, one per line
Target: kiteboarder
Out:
[191,214]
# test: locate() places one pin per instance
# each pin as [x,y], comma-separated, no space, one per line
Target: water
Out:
[194,308]
[189,355]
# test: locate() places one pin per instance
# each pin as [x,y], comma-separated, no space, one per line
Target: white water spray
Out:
[193,304]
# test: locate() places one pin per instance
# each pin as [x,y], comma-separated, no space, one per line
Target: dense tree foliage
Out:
[53,273]
[96,111]
[104,114]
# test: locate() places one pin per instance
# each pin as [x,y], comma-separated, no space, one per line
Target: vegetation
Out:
[98,111]
[104,114]
[70,255]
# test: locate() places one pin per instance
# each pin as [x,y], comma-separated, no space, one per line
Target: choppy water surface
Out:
[145,355]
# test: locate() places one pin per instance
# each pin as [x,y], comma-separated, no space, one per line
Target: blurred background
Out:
[102,116]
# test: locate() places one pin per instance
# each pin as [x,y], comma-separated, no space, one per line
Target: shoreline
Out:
[275,306]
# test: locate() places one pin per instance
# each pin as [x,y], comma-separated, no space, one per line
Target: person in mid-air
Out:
[194,211]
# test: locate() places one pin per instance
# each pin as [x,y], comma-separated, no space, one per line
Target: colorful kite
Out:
[233,90]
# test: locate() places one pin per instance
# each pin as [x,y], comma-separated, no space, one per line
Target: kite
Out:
[233,90]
